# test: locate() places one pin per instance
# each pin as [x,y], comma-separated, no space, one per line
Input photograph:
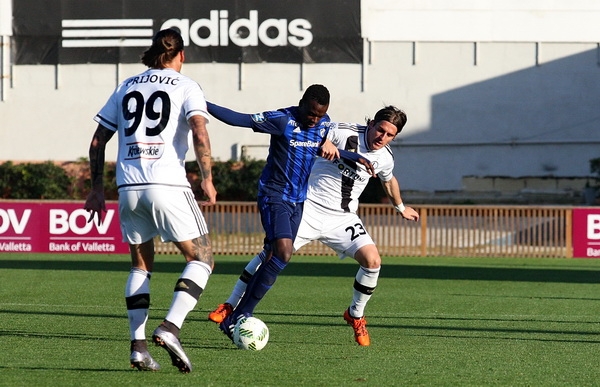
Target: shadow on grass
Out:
[534,333]
[442,327]
[66,368]
[337,269]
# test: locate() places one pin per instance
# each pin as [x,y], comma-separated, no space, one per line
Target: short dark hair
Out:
[166,44]
[391,114]
[317,93]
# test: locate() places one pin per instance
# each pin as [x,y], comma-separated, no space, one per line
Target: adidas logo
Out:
[107,33]
[182,285]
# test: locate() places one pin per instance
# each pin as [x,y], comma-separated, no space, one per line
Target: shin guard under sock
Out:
[259,285]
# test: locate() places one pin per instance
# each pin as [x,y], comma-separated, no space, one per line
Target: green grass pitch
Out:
[433,322]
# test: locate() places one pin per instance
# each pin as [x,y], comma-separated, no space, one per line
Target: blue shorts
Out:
[279,219]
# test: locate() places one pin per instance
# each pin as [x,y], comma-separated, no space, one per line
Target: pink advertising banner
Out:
[586,232]
[58,227]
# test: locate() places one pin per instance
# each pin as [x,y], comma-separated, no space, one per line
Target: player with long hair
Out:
[154,114]
[334,188]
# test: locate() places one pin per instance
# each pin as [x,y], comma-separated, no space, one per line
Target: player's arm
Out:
[228,116]
[330,152]
[202,149]
[268,122]
[353,156]
[95,202]
[392,190]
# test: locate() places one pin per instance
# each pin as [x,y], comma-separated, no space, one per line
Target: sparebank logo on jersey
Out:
[140,150]
[304,144]
[215,31]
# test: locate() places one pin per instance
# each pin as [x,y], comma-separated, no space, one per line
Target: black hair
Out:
[317,93]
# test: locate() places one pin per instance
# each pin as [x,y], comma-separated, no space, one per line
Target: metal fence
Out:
[443,230]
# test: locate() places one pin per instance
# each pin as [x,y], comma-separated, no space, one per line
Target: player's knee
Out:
[284,252]
[368,258]
[372,263]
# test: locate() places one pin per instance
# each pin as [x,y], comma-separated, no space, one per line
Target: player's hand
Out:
[329,151]
[210,192]
[95,204]
[368,166]
[410,214]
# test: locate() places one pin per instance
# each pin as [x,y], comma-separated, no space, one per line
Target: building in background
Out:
[497,88]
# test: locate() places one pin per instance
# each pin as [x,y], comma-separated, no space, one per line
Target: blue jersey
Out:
[292,153]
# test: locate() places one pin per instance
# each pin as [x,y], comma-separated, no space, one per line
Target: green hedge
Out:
[33,181]
[233,180]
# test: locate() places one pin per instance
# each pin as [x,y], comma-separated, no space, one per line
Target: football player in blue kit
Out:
[298,136]
[330,211]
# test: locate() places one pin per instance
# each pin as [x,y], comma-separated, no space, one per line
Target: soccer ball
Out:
[250,333]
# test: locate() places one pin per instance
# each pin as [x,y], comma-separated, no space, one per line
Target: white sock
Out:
[240,286]
[365,283]
[188,289]
[137,288]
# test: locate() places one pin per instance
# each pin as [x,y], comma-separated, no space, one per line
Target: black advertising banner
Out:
[225,31]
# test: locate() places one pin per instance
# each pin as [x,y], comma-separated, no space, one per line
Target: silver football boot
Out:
[143,361]
[162,337]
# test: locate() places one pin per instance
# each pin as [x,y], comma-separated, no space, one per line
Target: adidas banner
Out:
[226,31]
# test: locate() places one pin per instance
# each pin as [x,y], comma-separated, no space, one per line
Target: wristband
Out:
[400,207]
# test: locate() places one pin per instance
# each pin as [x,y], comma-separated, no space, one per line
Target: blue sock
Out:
[259,285]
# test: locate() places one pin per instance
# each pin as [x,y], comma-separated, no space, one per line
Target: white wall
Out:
[486,108]
[481,20]
[5,17]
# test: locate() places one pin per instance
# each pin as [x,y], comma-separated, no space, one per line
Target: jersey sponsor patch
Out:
[348,171]
[258,118]
[139,150]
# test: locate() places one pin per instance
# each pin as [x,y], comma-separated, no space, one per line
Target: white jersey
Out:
[337,185]
[150,112]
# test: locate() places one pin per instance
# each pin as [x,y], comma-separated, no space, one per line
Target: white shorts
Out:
[342,231]
[172,213]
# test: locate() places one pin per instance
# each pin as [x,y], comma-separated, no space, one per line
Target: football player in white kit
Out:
[155,113]
[329,216]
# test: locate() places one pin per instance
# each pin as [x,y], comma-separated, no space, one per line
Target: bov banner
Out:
[58,227]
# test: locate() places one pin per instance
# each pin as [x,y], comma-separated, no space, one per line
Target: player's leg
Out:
[307,232]
[365,283]
[138,231]
[191,282]
[281,221]
[178,218]
[188,289]
[264,278]
[366,278]
[348,237]
[226,308]
[137,299]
